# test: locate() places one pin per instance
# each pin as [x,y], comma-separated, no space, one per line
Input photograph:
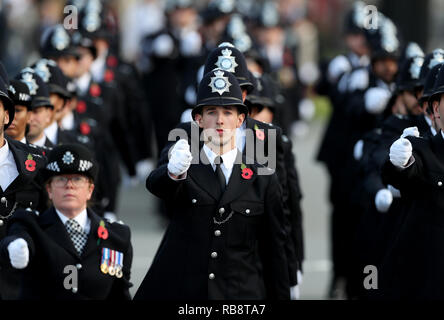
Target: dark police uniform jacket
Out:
[51,250]
[26,190]
[240,256]
[413,264]
[288,182]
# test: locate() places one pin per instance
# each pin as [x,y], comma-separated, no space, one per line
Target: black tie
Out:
[220,175]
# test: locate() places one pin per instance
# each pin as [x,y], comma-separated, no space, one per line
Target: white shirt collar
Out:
[51,132]
[228,158]
[98,68]
[68,121]
[83,82]
[4,151]
[23,140]
[442,134]
[81,218]
[40,142]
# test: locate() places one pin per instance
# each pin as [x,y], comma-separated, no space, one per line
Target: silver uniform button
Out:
[1,223]
[211,276]
[221,210]
[74,290]
[439,183]
[78,266]
[247,211]
[217,233]
[213,255]
[194,201]
[3,200]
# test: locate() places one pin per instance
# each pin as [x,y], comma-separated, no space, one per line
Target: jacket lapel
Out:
[438,147]
[24,175]
[55,229]
[91,243]
[204,176]
[237,185]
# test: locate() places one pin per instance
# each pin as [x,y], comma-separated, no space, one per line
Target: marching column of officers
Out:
[74,117]
[383,149]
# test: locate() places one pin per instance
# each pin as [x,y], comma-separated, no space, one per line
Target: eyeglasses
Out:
[61,181]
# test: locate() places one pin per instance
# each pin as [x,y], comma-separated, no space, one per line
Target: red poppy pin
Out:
[85,129]
[95,90]
[102,232]
[259,133]
[81,107]
[30,163]
[111,61]
[247,173]
[109,75]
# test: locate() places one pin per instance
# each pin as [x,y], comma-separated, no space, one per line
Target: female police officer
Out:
[226,236]
[68,252]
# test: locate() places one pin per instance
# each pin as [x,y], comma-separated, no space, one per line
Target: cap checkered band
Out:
[53,166]
[85,165]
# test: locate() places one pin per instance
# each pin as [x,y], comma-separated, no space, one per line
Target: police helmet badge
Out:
[60,39]
[438,57]
[219,83]
[68,158]
[415,67]
[226,61]
[91,22]
[28,79]
[41,68]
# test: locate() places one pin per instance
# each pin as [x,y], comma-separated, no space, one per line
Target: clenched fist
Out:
[400,152]
[19,253]
[180,159]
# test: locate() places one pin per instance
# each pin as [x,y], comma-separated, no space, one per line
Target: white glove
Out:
[337,67]
[180,159]
[400,152]
[358,150]
[383,200]
[358,80]
[395,192]
[190,44]
[410,131]
[163,45]
[294,292]
[376,99]
[18,253]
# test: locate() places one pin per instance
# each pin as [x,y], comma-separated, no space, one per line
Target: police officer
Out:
[101,117]
[57,44]
[59,95]
[19,184]
[228,219]
[414,167]
[230,59]
[69,234]
[42,109]
[19,93]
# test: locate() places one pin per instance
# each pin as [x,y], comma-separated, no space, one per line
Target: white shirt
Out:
[51,132]
[83,83]
[68,121]
[240,136]
[8,168]
[81,218]
[228,159]
[40,142]
[98,68]
[23,140]
[429,122]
